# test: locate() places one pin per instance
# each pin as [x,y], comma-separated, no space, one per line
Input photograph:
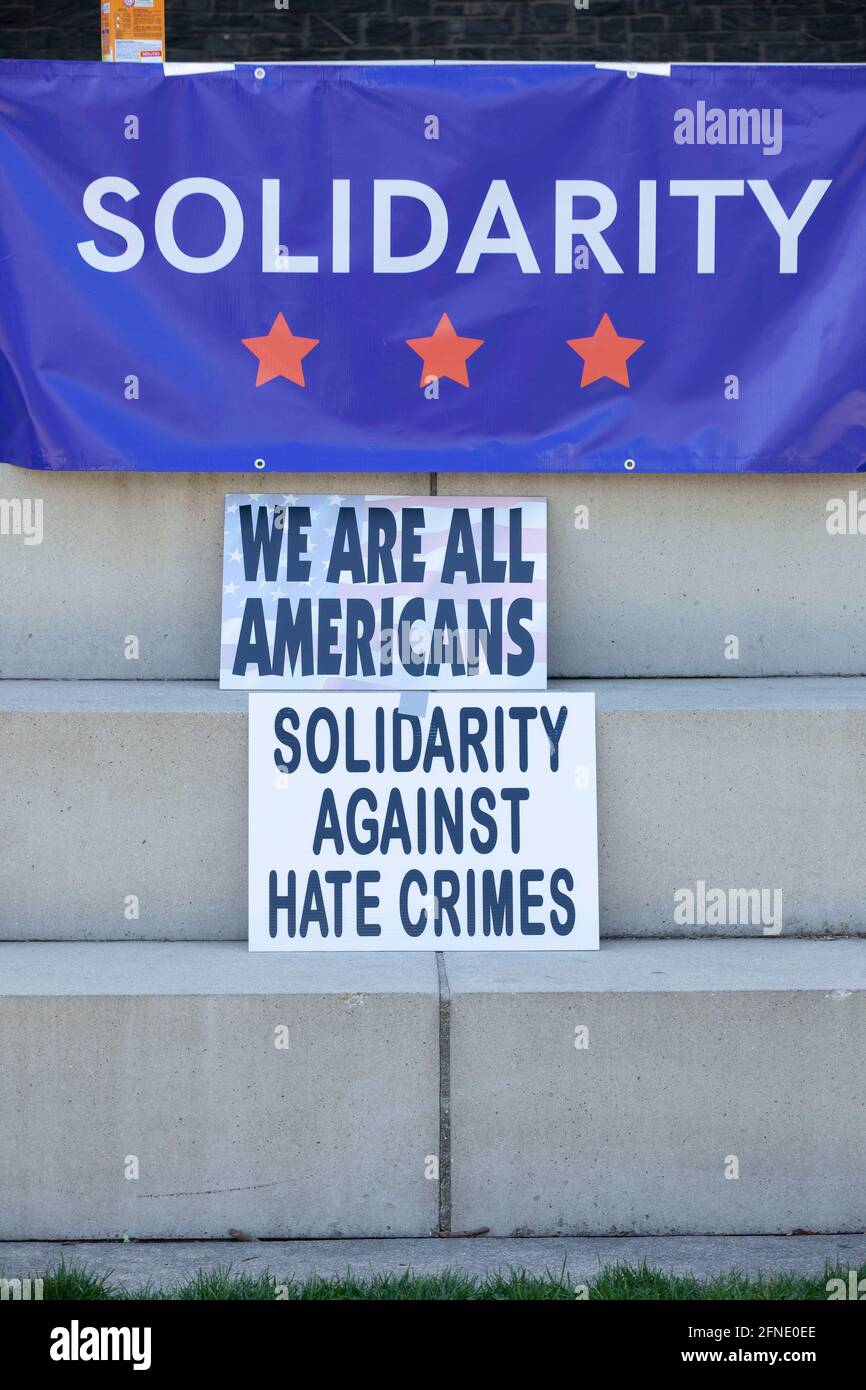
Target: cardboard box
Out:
[133,31]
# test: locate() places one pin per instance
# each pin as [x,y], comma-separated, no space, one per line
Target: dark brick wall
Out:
[531,30]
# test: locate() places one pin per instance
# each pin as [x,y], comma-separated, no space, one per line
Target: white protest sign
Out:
[384,593]
[422,822]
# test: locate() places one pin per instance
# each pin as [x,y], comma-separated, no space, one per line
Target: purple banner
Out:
[432,267]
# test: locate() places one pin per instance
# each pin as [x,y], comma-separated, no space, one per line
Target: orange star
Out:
[445,353]
[605,354]
[280,353]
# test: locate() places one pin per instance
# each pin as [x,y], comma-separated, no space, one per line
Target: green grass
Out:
[613,1283]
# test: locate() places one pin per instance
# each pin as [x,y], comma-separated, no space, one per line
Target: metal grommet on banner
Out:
[260,463]
[631,73]
[630,464]
[259,73]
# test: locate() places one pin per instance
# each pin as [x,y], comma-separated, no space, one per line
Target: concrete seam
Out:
[444,1096]
[434,484]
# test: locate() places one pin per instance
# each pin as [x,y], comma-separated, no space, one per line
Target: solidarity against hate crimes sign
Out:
[389,592]
[413,822]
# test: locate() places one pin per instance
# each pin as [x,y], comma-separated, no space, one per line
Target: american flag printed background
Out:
[437,516]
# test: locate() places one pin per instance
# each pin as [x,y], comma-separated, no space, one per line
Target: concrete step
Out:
[130,555]
[703,1058]
[668,570]
[673,566]
[123,808]
[168,1054]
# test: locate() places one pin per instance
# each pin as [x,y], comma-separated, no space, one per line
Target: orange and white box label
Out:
[133,31]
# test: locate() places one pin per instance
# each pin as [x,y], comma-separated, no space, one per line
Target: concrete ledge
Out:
[131,554]
[166,1053]
[668,568]
[124,814]
[166,1263]
[115,790]
[699,1054]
